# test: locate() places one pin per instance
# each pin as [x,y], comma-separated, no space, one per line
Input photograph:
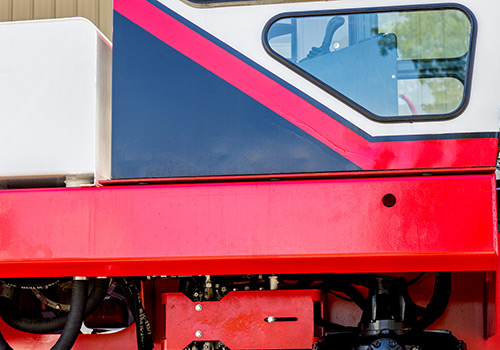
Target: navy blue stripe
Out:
[226,132]
[312,101]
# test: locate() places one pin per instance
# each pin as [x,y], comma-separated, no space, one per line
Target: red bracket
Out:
[281,319]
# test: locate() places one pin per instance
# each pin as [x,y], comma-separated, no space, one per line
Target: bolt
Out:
[247,287]
[376,344]
[273,282]
[392,343]
[198,334]
[271,319]
[198,307]
[58,307]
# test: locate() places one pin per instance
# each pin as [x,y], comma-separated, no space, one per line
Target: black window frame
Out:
[352,11]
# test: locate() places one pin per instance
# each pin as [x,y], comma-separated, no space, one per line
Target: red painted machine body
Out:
[302,226]
[230,161]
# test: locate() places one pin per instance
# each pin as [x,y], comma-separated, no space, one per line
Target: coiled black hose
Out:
[76,316]
[50,325]
[74,320]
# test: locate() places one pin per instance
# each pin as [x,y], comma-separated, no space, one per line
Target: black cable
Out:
[439,300]
[351,291]
[340,296]
[144,333]
[50,325]
[416,279]
[76,316]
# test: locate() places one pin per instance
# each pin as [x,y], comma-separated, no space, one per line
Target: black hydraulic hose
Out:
[49,325]
[74,321]
[75,317]
[34,283]
[97,295]
[131,288]
[439,301]
[349,290]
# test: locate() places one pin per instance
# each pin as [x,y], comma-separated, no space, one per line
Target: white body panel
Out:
[237,27]
[55,88]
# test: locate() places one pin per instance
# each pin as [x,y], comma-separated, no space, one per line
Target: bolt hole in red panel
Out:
[389,200]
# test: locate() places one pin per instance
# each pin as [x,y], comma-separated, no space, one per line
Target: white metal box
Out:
[55,110]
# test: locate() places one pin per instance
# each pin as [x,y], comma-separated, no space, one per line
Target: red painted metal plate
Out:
[301,226]
[239,320]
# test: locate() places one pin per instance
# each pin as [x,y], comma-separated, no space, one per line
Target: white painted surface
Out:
[55,81]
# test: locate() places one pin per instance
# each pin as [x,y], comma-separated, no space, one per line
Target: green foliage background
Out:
[431,35]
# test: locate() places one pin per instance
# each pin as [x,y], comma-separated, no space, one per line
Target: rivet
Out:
[198,307]
[198,334]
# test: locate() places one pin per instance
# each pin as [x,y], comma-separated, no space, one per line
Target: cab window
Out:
[400,65]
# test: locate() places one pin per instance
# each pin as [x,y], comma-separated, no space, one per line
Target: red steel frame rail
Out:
[340,225]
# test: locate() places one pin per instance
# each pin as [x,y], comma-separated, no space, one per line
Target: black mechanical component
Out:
[392,321]
[205,288]
[388,308]
[425,340]
[206,345]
